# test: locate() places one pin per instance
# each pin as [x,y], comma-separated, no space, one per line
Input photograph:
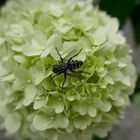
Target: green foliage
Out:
[2,2]
[97,138]
[118,8]
[124,9]
[136,101]
[136,22]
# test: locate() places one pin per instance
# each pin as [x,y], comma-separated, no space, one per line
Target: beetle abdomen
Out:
[60,68]
[74,64]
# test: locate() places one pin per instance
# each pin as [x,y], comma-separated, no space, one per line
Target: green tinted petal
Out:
[9,77]
[22,74]
[80,107]
[61,121]
[15,33]
[55,10]
[59,107]
[113,26]
[20,59]
[126,81]
[57,103]
[19,84]
[17,48]
[92,111]
[118,38]
[98,118]
[100,132]
[69,7]
[98,37]
[30,93]
[48,85]
[90,87]
[82,122]
[109,80]
[41,122]
[36,46]
[71,95]
[8,65]
[63,25]
[39,103]
[39,76]
[119,102]
[32,49]
[105,106]
[13,122]
[2,41]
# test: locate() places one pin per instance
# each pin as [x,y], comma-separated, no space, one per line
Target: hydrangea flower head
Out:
[33,106]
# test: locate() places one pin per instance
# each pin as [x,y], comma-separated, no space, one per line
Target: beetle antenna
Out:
[59,55]
[75,54]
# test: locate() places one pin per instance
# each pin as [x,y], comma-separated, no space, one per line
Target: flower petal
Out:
[30,93]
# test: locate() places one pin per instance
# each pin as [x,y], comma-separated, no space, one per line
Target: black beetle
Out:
[64,67]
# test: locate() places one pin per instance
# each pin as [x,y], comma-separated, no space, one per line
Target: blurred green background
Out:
[126,11]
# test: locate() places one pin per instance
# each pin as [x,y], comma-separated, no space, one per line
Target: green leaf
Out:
[135,18]
[97,138]
[3,71]
[2,2]
[136,101]
[113,8]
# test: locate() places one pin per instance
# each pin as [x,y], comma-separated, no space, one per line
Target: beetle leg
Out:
[75,55]
[60,56]
[65,76]
[54,76]
[80,71]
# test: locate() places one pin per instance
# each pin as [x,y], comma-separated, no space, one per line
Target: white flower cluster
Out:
[34,107]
